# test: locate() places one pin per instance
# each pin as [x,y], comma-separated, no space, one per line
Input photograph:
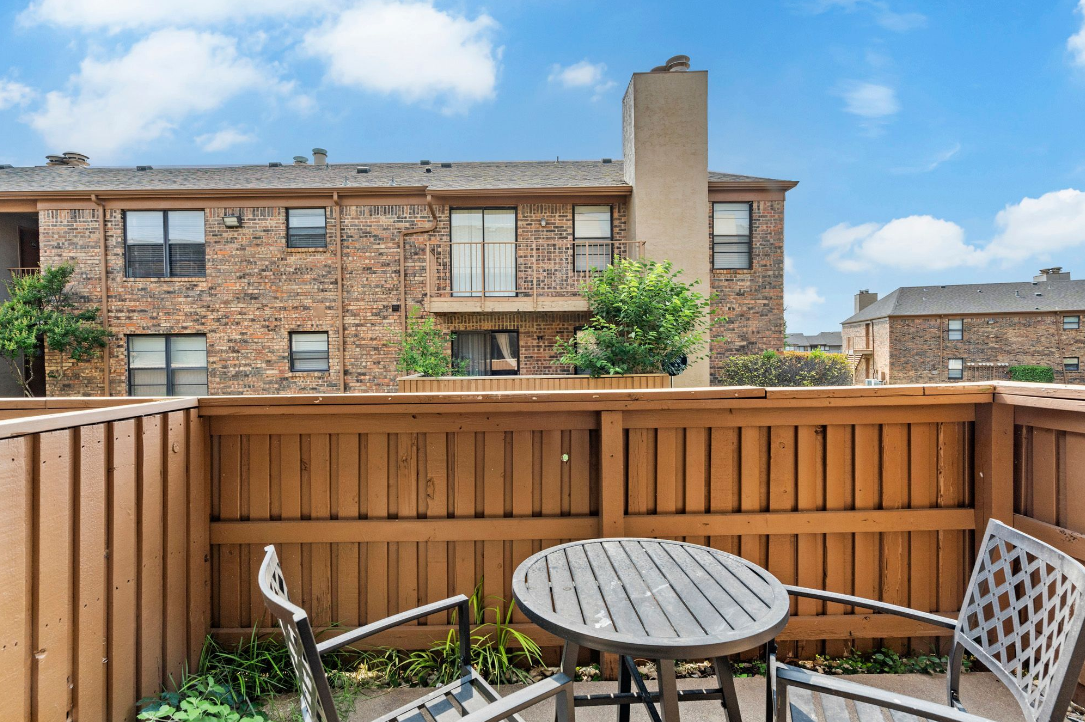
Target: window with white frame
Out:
[593,245]
[731,246]
[167,365]
[162,244]
[956,329]
[309,351]
[956,369]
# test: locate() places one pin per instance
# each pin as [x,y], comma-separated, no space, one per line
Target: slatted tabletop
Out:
[651,598]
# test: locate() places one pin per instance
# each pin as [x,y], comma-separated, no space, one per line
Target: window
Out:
[592,238]
[731,235]
[1071,323]
[956,329]
[309,351]
[167,365]
[306,228]
[1070,363]
[483,244]
[161,244]
[956,369]
[488,353]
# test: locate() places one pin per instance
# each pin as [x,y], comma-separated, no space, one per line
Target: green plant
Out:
[42,314]
[644,320]
[492,651]
[882,661]
[789,368]
[1035,374]
[200,699]
[425,349]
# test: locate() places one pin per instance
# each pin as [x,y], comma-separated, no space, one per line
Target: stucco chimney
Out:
[665,143]
[320,156]
[1052,274]
[863,299]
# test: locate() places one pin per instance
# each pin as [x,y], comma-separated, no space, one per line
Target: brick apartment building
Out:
[972,332]
[299,278]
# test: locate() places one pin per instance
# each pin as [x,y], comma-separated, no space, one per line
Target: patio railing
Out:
[129,532]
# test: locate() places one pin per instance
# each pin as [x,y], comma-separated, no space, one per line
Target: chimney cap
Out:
[319,151]
[301,160]
[677,63]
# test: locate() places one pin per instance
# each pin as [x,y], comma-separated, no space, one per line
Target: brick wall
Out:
[917,349]
[752,300]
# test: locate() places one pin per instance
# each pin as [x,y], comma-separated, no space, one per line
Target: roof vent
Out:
[301,160]
[607,160]
[429,170]
[677,63]
[363,169]
[5,166]
[423,162]
[274,164]
[446,165]
[320,156]
[76,159]
[144,167]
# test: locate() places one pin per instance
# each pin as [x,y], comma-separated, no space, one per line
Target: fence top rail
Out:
[967,393]
[413,377]
[70,402]
[85,417]
[1050,391]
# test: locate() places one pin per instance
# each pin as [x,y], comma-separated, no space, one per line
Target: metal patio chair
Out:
[468,699]
[1021,618]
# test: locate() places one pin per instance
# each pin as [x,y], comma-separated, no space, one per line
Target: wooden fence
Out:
[103,541]
[19,408]
[557,382]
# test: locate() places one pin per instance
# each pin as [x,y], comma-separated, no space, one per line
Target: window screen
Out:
[731,235]
[956,329]
[592,245]
[167,365]
[956,369]
[306,228]
[165,243]
[309,351]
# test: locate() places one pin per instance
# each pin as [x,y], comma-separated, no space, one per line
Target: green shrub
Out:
[425,349]
[200,699]
[644,321]
[1035,374]
[790,368]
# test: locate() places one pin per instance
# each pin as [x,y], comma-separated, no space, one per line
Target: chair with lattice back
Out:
[469,699]
[1022,619]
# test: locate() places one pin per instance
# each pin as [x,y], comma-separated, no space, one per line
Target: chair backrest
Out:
[1022,618]
[316,696]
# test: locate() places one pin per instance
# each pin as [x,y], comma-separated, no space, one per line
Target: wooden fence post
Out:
[993,465]
[612,498]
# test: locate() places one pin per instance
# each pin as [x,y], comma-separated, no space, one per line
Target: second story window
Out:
[306,228]
[483,251]
[1071,323]
[309,351]
[593,245]
[731,247]
[956,369]
[1070,363]
[167,365]
[956,329]
[161,244]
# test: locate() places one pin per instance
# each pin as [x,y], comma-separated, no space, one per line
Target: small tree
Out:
[644,320]
[424,349]
[42,313]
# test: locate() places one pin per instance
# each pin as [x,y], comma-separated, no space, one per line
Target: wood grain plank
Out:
[176,549]
[377,504]
[867,492]
[493,580]
[91,579]
[320,490]
[152,556]
[124,582]
[53,667]
[17,483]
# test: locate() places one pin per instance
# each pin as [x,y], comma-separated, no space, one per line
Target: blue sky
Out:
[934,142]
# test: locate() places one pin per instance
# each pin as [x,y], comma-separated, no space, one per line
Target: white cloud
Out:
[883,14]
[1076,43]
[113,106]
[13,93]
[789,266]
[801,300]
[114,15]
[928,166]
[582,75]
[223,139]
[411,50]
[869,100]
[1035,228]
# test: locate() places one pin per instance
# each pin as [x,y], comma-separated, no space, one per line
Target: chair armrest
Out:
[356,635]
[787,675]
[518,701]
[884,607]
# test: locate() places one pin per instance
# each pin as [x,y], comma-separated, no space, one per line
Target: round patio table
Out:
[654,599]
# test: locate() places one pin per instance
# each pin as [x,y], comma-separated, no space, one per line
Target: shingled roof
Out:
[483,175]
[977,298]
[825,338]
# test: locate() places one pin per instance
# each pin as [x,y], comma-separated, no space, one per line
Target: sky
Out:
[934,142]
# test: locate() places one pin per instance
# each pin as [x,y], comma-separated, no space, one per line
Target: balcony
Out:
[515,275]
[148,518]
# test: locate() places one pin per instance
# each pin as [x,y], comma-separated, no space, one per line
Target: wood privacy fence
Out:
[130,532]
[558,382]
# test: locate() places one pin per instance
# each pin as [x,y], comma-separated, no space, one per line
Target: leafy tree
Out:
[42,309]
[424,349]
[644,320]
[790,368]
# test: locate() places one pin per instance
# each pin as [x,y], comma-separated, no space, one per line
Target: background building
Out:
[300,277]
[972,332]
[827,341]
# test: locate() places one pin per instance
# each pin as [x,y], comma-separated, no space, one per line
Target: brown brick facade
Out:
[917,349]
[256,291]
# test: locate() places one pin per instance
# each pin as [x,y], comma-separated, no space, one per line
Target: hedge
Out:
[790,368]
[1035,374]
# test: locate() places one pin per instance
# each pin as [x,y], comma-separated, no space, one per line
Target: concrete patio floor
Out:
[982,694]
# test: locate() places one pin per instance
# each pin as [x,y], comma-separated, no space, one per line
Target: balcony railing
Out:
[516,275]
[20,272]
